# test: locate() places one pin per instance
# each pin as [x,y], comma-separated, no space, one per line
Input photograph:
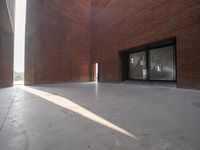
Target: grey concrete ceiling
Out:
[7,9]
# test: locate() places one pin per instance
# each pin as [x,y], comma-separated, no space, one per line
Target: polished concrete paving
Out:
[82,116]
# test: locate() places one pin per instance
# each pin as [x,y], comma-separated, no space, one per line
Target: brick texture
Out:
[65,38]
[6,47]
[58,41]
[119,25]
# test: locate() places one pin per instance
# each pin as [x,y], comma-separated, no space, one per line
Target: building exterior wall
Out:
[58,41]
[118,25]
[65,38]
[6,47]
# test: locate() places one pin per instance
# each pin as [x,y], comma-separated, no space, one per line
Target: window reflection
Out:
[138,65]
[162,64]
[153,64]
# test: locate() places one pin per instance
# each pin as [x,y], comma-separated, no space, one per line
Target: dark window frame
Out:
[147,48]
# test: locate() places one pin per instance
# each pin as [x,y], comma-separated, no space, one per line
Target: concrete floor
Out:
[161,118]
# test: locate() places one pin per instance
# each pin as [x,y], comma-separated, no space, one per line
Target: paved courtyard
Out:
[82,116]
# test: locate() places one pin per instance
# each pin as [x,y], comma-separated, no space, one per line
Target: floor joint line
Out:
[8,109]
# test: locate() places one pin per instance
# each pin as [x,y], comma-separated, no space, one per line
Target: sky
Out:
[20,15]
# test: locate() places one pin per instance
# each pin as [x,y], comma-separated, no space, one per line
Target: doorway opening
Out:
[19,41]
[96,72]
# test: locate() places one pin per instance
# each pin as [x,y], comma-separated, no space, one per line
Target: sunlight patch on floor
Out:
[72,106]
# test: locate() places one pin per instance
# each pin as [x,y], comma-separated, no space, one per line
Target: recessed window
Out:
[154,61]
[137,65]
[162,64]
[153,64]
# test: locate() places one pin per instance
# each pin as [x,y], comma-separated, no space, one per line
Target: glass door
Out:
[153,64]
[162,64]
[137,65]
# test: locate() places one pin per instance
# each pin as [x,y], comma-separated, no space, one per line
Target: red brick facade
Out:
[6,47]
[58,41]
[119,25]
[65,38]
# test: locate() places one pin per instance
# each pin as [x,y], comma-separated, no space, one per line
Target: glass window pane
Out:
[162,64]
[137,65]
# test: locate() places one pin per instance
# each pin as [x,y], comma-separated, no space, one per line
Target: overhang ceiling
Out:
[11,11]
[7,15]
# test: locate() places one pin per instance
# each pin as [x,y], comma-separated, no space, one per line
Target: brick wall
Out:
[64,38]
[119,25]
[6,47]
[58,41]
